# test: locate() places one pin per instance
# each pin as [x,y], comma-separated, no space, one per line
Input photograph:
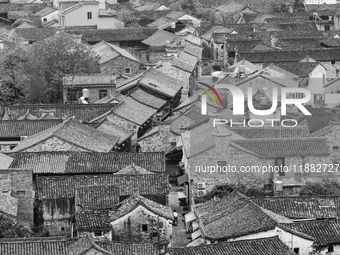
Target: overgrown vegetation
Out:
[324,187]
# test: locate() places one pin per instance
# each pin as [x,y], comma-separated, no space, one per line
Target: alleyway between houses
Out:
[179,236]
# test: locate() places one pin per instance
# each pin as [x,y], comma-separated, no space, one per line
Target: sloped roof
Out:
[109,127]
[259,246]
[216,29]
[302,207]
[232,216]
[8,205]
[93,79]
[160,38]
[107,52]
[175,14]
[302,69]
[86,162]
[325,232]
[92,220]
[281,147]
[145,98]
[133,169]
[83,245]
[75,133]
[270,133]
[316,122]
[131,203]
[116,248]
[49,187]
[97,197]
[162,23]
[161,83]
[82,112]
[45,11]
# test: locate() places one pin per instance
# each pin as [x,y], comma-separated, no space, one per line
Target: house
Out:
[332,91]
[14,131]
[115,59]
[56,194]
[324,235]
[98,86]
[138,219]
[263,246]
[17,183]
[70,135]
[146,98]
[325,20]
[130,114]
[82,112]
[71,163]
[299,208]
[48,15]
[86,13]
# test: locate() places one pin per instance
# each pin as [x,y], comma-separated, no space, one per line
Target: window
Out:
[89,15]
[280,162]
[221,167]
[44,19]
[296,250]
[97,233]
[20,192]
[331,248]
[144,227]
[62,229]
[327,28]
[335,148]
[128,70]
[102,93]
[73,95]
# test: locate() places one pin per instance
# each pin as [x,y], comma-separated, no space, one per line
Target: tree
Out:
[10,229]
[325,187]
[49,61]
[299,6]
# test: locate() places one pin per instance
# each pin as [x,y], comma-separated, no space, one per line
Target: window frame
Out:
[281,173]
[128,68]
[89,15]
[21,192]
[143,227]
[102,92]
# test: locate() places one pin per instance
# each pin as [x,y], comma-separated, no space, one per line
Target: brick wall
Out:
[129,227]
[119,64]
[54,144]
[20,183]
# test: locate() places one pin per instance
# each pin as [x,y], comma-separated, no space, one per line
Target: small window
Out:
[97,233]
[331,248]
[44,19]
[20,192]
[89,15]
[297,250]
[144,227]
[102,93]
[327,28]
[280,162]
[335,148]
[128,70]
[62,229]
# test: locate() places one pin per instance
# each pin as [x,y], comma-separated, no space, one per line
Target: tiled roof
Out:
[232,7]
[160,38]
[36,246]
[216,29]
[34,33]
[84,245]
[147,7]
[188,57]
[232,216]
[75,133]
[269,133]
[183,65]
[161,83]
[96,197]
[109,127]
[92,220]
[281,147]
[107,52]
[133,169]
[87,162]
[131,203]
[129,83]
[129,248]
[302,207]
[302,69]
[291,55]
[331,42]
[83,112]
[17,128]
[45,11]
[64,186]
[132,110]
[325,232]
[259,246]
[162,23]
[316,122]
[93,80]
[8,204]
[145,98]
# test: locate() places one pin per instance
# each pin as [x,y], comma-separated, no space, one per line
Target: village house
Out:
[331,93]
[48,15]
[56,194]
[115,59]
[12,132]
[86,13]
[18,183]
[70,135]
[98,86]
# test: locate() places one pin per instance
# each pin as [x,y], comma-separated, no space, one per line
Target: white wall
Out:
[51,16]
[109,23]
[266,234]
[316,81]
[320,1]
[293,241]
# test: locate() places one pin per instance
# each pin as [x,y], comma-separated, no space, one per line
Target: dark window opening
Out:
[280,162]
[44,19]
[102,93]
[128,70]
[327,28]
[335,148]
[144,227]
[20,192]
[62,229]
[331,248]
[74,94]
[296,250]
[89,15]
[97,233]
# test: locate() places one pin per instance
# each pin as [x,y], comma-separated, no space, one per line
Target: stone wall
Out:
[54,144]
[20,184]
[58,227]
[119,64]
[129,227]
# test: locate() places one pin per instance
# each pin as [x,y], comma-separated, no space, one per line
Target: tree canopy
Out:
[324,187]
[9,229]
